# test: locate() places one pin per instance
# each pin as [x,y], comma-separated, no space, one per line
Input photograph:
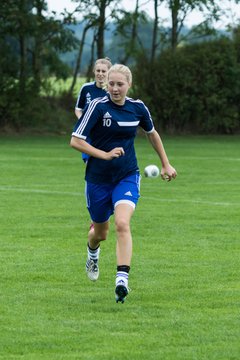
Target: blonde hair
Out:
[122,69]
[106,61]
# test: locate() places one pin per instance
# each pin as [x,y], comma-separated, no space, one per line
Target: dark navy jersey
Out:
[88,92]
[110,125]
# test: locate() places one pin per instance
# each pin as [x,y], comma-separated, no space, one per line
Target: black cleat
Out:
[121,292]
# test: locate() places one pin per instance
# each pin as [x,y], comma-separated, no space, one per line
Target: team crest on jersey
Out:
[107,119]
[88,98]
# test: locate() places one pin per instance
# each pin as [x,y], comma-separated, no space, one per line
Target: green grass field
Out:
[185,275]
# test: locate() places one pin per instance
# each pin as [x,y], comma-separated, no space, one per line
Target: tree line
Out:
[166,61]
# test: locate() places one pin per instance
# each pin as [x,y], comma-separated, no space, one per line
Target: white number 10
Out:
[107,122]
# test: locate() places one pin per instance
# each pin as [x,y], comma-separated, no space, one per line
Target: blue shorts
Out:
[85,157]
[103,198]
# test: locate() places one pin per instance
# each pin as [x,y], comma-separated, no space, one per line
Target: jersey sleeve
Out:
[146,122]
[86,122]
[81,100]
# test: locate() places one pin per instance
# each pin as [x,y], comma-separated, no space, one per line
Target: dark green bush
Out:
[39,114]
[194,89]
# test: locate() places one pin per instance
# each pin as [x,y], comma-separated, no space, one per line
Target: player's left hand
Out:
[168,173]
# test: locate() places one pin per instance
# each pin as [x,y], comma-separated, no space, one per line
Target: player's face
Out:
[100,74]
[118,87]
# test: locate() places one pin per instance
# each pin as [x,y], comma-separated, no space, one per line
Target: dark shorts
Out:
[103,198]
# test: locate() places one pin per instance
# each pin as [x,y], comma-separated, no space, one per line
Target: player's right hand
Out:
[115,153]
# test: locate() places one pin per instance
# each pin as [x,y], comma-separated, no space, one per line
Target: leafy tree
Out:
[87,26]
[93,12]
[195,89]
[128,32]
[131,20]
[32,40]
[155,30]
[179,10]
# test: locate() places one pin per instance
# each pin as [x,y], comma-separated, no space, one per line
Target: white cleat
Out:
[92,269]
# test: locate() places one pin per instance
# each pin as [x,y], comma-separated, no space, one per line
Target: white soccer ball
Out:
[151,171]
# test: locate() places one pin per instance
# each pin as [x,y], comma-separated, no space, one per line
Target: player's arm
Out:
[167,172]
[83,146]
[78,113]
[81,101]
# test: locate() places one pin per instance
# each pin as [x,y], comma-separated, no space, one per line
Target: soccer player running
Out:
[112,173]
[92,90]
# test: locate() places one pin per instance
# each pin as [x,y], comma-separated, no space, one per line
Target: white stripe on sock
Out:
[122,278]
[93,254]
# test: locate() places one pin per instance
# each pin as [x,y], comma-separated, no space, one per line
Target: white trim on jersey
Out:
[141,102]
[128,123]
[80,92]
[149,132]
[105,99]
[88,113]
[79,136]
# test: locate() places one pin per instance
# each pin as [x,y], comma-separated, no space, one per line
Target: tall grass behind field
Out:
[185,272]
[53,113]
[55,87]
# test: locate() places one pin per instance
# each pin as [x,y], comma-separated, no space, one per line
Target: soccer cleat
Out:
[92,269]
[121,292]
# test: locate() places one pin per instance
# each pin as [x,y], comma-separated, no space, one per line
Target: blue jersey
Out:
[88,92]
[110,125]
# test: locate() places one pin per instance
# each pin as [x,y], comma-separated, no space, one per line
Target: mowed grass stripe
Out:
[149,198]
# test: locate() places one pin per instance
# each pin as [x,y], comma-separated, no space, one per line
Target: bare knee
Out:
[122,225]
